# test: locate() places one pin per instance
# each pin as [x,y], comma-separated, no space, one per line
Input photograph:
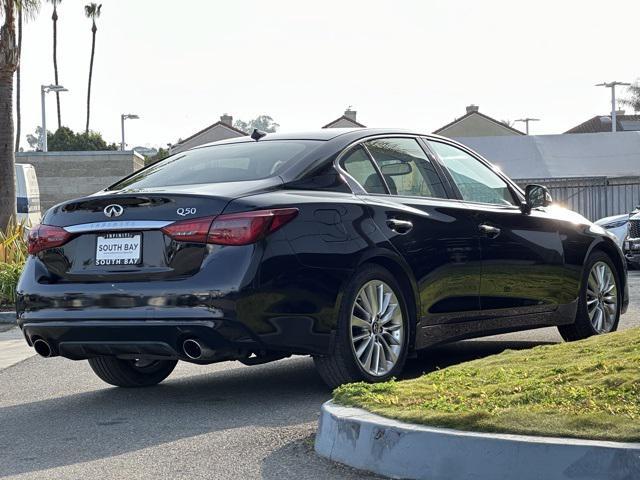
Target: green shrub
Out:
[13,253]
[9,275]
[13,244]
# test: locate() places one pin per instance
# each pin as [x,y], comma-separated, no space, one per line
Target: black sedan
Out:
[357,247]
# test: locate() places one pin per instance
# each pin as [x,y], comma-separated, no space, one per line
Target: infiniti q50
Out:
[357,247]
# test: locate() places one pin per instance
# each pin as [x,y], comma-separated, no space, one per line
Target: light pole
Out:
[526,122]
[612,86]
[123,117]
[46,89]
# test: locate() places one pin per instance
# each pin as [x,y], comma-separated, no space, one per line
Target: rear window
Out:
[237,162]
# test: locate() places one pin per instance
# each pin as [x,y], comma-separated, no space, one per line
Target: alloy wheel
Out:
[377,328]
[602,297]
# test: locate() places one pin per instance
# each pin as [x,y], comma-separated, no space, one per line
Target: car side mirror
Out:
[536,196]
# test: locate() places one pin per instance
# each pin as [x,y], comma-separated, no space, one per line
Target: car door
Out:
[409,200]
[523,264]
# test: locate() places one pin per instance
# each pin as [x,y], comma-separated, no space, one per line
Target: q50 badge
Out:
[183,212]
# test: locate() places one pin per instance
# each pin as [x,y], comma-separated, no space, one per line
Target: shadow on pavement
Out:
[43,433]
[298,460]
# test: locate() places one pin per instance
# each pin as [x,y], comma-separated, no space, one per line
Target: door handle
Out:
[488,230]
[399,226]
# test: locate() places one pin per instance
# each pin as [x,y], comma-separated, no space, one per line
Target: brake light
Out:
[248,227]
[232,229]
[43,237]
[192,230]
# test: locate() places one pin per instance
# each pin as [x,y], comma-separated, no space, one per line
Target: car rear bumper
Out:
[84,320]
[83,339]
[164,338]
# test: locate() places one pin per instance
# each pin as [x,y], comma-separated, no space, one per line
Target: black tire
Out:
[340,366]
[582,327]
[125,373]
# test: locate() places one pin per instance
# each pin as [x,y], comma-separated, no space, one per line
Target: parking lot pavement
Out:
[13,348]
[222,421]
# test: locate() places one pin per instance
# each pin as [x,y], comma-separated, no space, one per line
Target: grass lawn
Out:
[587,389]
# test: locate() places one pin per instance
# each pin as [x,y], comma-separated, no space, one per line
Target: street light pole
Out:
[123,117]
[526,122]
[614,113]
[43,90]
[43,138]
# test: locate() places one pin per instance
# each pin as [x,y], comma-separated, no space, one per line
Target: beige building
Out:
[218,131]
[476,124]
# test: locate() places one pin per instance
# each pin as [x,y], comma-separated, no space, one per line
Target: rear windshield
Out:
[235,162]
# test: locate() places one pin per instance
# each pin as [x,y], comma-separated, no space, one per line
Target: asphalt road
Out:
[225,421]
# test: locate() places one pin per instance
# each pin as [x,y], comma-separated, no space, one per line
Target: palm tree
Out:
[91,11]
[9,61]
[54,18]
[18,113]
[634,100]
[26,8]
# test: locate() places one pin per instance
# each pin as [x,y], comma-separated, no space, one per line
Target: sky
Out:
[403,63]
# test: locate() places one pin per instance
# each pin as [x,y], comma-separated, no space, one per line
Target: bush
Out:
[13,253]
[9,276]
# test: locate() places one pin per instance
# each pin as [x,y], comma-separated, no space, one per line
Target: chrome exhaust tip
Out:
[192,349]
[42,348]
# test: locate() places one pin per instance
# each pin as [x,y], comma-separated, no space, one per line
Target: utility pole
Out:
[612,86]
[526,122]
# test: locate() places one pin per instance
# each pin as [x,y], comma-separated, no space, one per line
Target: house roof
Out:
[555,156]
[602,123]
[486,117]
[217,124]
[344,117]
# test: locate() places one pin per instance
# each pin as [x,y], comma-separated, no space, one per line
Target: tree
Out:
[9,61]
[91,11]
[9,58]
[28,9]
[34,139]
[161,155]
[633,100]
[262,122]
[18,113]
[66,140]
[54,18]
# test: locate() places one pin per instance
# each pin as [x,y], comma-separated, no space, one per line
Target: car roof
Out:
[324,134]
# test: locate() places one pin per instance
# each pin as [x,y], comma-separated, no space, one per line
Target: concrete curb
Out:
[7,317]
[387,447]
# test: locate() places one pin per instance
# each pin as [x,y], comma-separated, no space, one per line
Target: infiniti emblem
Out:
[113,210]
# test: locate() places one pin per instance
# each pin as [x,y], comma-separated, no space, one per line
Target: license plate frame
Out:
[122,249]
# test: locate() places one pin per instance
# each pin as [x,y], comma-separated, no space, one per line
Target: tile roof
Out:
[486,117]
[217,124]
[344,117]
[602,123]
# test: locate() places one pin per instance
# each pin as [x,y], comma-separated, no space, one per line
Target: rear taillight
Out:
[193,230]
[42,237]
[248,227]
[232,229]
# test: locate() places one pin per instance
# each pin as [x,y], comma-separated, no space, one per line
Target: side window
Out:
[406,168]
[358,164]
[476,181]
